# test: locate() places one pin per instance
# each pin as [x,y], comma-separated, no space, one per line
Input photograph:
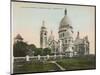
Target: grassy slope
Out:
[87,62]
[36,67]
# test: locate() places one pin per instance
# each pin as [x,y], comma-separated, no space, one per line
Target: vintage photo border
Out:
[11,34]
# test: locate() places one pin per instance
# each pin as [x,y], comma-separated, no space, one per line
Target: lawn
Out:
[87,62]
[34,66]
[76,63]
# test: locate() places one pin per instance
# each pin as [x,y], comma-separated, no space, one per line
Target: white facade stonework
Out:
[43,36]
[65,45]
[66,35]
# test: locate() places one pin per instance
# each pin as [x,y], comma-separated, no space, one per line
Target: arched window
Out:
[66,41]
[59,35]
[69,40]
[63,35]
[45,33]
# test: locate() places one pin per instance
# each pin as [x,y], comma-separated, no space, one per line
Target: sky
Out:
[27,20]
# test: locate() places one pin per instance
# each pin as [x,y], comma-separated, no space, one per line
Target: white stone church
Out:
[65,45]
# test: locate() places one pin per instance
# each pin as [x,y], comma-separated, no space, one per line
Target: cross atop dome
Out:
[43,23]
[65,11]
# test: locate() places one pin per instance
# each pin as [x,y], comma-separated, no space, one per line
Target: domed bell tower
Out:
[43,36]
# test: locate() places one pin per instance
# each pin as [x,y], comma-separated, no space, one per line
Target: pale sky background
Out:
[27,21]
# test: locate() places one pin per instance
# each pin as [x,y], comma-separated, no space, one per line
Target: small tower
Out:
[86,45]
[51,37]
[43,36]
[78,35]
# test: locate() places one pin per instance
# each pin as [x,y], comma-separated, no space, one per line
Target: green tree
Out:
[38,51]
[46,51]
[31,49]
[20,49]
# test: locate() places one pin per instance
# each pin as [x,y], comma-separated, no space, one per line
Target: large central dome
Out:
[65,21]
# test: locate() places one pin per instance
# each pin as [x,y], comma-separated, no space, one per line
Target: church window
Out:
[63,35]
[45,33]
[60,35]
[72,47]
[66,41]
[69,40]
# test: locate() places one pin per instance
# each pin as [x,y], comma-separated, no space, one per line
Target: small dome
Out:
[19,37]
[65,22]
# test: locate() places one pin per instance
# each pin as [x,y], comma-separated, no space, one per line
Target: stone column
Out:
[47,56]
[27,58]
[39,57]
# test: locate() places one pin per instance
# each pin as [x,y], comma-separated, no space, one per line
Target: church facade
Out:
[65,45]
